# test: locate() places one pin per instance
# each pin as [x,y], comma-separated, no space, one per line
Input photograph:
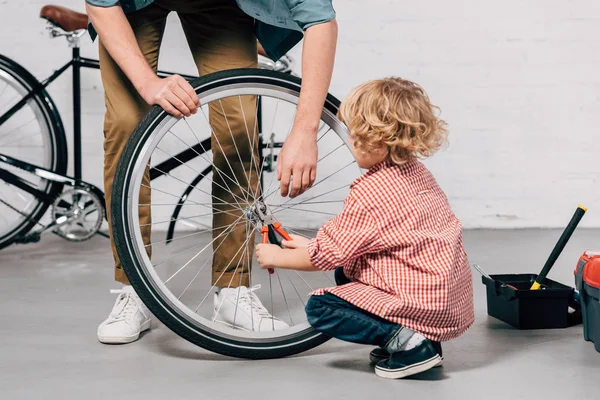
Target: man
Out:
[221,35]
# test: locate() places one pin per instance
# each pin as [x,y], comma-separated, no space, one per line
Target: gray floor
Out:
[53,294]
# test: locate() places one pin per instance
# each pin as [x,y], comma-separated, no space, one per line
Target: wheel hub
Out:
[78,214]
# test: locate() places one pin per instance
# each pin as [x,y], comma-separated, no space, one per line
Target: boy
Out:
[405,282]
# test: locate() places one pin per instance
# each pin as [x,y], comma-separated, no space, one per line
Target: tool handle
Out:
[264,231]
[560,245]
[279,229]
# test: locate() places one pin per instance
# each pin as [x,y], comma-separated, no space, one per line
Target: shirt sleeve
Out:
[103,3]
[307,13]
[346,237]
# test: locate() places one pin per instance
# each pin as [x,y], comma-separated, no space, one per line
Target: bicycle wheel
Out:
[34,134]
[177,282]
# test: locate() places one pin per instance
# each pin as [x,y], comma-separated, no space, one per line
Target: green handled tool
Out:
[560,245]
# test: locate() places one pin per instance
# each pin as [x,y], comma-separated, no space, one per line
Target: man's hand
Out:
[297,242]
[297,162]
[174,94]
[267,255]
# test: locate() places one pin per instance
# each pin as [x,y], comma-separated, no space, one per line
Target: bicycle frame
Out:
[77,63]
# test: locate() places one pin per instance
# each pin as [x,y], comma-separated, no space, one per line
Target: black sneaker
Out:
[409,362]
[379,354]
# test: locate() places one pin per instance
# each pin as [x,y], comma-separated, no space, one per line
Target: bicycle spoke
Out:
[323,135]
[20,147]
[328,278]
[223,151]
[295,232]
[221,173]
[197,254]
[331,152]
[175,204]
[284,296]
[224,270]
[303,280]
[278,206]
[14,140]
[182,219]
[329,176]
[312,198]
[173,195]
[200,270]
[262,196]
[309,211]
[295,289]
[262,161]
[229,285]
[178,238]
[252,142]
[235,224]
[198,172]
[239,207]
[272,304]
[18,127]
[235,144]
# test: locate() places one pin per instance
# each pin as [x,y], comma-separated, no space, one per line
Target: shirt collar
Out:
[384,165]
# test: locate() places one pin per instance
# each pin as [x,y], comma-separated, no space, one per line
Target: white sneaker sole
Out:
[375,360]
[238,327]
[125,339]
[408,370]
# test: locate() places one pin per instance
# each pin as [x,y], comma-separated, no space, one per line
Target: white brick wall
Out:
[517,81]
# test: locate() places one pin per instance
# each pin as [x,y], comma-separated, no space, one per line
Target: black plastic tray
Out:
[546,308]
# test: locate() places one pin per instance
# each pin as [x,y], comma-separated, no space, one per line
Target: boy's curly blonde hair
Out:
[396,113]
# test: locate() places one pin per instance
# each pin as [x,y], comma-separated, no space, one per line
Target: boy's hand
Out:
[297,242]
[267,254]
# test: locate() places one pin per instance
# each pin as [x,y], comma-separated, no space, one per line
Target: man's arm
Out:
[174,94]
[298,157]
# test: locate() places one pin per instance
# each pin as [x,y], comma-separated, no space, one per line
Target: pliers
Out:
[271,228]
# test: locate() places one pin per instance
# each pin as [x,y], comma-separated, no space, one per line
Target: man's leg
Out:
[124,109]
[221,37]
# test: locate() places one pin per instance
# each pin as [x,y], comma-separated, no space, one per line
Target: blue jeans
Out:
[337,318]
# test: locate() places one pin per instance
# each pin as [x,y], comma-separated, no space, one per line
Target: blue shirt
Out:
[279,23]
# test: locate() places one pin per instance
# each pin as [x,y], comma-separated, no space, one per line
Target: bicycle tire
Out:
[57,140]
[143,284]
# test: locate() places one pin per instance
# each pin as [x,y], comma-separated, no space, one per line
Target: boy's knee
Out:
[314,309]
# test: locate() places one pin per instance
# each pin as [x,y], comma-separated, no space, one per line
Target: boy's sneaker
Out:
[128,318]
[240,308]
[409,362]
[379,354]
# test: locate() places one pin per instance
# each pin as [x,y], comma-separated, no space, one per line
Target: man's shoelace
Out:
[125,306]
[251,300]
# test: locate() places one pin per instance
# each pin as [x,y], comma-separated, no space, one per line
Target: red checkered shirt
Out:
[401,246]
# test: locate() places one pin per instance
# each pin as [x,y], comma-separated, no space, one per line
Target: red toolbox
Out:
[587,281]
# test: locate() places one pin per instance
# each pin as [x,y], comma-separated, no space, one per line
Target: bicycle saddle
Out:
[64,18]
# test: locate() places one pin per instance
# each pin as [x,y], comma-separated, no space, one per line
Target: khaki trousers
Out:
[220,37]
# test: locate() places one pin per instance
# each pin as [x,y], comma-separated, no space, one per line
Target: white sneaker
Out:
[248,315]
[128,318]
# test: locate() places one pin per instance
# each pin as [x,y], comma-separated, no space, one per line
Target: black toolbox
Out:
[510,300]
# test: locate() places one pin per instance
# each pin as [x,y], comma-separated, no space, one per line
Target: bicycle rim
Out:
[177,282]
[31,135]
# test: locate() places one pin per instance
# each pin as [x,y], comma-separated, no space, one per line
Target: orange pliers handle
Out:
[276,228]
